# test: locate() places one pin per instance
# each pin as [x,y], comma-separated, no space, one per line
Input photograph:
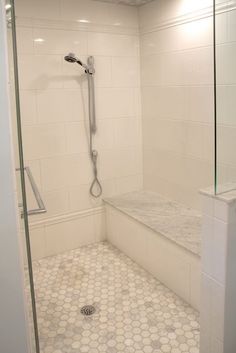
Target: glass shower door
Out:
[23,175]
[225,96]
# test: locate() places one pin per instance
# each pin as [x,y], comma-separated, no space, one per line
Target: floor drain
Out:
[88,310]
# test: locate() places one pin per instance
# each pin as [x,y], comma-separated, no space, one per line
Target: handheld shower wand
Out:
[72,58]
[89,70]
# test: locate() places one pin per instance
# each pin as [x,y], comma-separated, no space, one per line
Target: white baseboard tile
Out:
[66,232]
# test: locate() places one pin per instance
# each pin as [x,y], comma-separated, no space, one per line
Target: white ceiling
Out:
[127,2]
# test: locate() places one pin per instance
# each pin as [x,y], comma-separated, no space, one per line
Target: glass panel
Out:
[20,174]
[225,93]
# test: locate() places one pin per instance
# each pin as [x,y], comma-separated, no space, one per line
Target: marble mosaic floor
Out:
[134,312]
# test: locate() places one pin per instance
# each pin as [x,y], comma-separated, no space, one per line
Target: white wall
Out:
[13,329]
[177,97]
[54,110]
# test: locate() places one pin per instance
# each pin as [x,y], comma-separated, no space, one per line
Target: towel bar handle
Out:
[41,206]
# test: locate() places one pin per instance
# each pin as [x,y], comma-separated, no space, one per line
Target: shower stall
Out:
[110,155]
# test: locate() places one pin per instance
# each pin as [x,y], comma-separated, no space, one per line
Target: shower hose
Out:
[96,187]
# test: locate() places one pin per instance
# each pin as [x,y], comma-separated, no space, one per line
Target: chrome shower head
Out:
[71,58]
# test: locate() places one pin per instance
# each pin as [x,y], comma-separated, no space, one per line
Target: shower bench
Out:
[162,236]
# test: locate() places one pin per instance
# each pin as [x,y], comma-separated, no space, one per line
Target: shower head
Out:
[72,58]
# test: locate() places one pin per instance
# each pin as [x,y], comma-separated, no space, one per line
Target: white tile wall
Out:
[59,41]
[61,105]
[99,13]
[54,104]
[34,9]
[177,98]
[168,10]
[218,305]
[113,44]
[57,235]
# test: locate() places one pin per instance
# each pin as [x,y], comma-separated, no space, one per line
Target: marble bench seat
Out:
[178,223]
[162,236]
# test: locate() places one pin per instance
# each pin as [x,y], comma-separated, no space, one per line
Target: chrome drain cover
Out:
[88,310]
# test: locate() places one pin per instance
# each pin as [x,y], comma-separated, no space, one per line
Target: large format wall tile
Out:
[42,9]
[99,13]
[177,98]
[40,71]
[44,140]
[115,102]
[112,44]
[50,41]
[67,105]
[54,102]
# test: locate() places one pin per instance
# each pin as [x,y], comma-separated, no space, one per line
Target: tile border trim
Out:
[75,26]
[66,217]
[190,17]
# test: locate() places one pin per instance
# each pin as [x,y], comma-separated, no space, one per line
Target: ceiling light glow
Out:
[83,21]
[39,40]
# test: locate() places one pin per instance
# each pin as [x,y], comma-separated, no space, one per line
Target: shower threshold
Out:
[134,312]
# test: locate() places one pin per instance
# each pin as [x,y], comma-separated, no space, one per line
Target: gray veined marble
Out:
[135,313]
[173,220]
[127,2]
